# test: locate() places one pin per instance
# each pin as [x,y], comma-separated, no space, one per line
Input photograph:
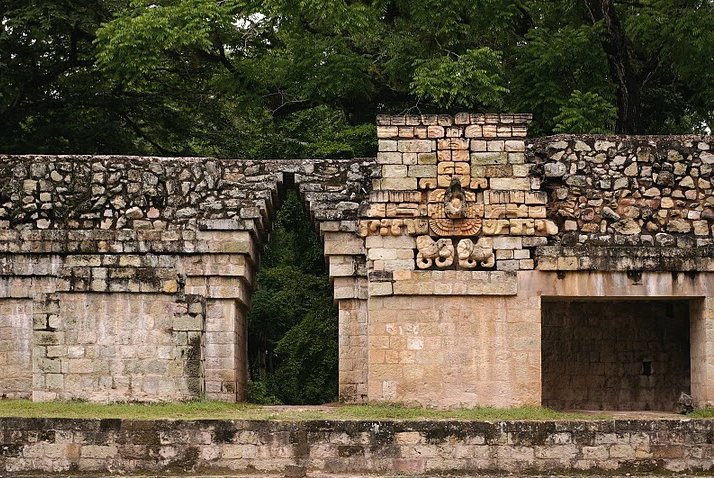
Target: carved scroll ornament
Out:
[471,255]
[429,252]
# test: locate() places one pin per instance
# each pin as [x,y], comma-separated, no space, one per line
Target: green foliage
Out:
[586,113]
[308,353]
[292,325]
[258,393]
[707,412]
[279,78]
[472,80]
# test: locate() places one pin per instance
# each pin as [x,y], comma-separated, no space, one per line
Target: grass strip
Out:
[202,410]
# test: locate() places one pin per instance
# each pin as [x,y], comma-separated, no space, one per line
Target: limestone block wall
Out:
[129,278]
[142,347]
[15,348]
[466,208]
[339,448]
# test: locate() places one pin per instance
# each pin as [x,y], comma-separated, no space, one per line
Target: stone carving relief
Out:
[454,211]
[441,252]
[472,254]
[392,227]
[430,252]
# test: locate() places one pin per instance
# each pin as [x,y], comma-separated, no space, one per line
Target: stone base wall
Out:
[356,447]
[615,355]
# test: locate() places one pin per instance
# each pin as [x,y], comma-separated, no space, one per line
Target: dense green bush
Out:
[292,326]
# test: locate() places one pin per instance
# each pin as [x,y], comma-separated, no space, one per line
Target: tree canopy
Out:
[279,78]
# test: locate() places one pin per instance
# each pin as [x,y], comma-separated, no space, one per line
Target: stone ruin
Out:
[472,266]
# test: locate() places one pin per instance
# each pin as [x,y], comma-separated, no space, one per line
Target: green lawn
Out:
[702,413]
[220,410]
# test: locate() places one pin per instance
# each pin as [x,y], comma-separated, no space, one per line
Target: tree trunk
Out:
[616,48]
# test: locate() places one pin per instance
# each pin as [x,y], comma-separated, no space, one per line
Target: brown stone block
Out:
[452,144]
[567,263]
[522,227]
[473,131]
[510,183]
[495,211]
[547,263]
[428,183]
[387,132]
[519,131]
[478,183]
[435,132]
[444,155]
[416,146]
[406,132]
[537,212]
[488,158]
[423,171]
[426,158]
[495,227]
[403,184]
[454,132]
[460,155]
[490,131]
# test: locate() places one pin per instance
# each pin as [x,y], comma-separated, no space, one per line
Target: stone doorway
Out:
[614,354]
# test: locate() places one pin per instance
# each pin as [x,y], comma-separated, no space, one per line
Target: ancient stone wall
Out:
[327,448]
[15,348]
[142,347]
[648,198]
[470,225]
[126,278]
[441,250]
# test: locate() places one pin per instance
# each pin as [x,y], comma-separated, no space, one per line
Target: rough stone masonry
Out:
[466,258]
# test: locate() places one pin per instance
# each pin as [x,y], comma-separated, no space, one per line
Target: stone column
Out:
[224,278]
[353,365]
[701,337]
[225,363]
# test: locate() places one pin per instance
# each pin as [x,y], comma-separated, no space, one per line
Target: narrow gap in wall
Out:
[292,323]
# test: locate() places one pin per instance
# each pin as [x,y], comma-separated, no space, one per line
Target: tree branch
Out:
[146,137]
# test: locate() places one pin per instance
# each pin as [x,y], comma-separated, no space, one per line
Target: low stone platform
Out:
[337,476]
[111,447]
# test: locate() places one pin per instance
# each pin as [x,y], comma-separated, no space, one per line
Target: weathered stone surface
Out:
[649,188]
[357,448]
[428,242]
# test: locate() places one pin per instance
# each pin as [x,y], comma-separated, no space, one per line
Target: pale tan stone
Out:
[389,158]
[398,184]
[387,132]
[416,146]
[510,183]
[473,131]
[435,132]
[394,171]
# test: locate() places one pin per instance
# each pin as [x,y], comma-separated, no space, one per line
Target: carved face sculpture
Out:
[455,200]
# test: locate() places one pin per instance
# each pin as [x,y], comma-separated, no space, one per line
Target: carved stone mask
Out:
[455,200]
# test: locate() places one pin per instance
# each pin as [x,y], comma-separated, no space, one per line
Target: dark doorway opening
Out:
[614,354]
[292,322]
